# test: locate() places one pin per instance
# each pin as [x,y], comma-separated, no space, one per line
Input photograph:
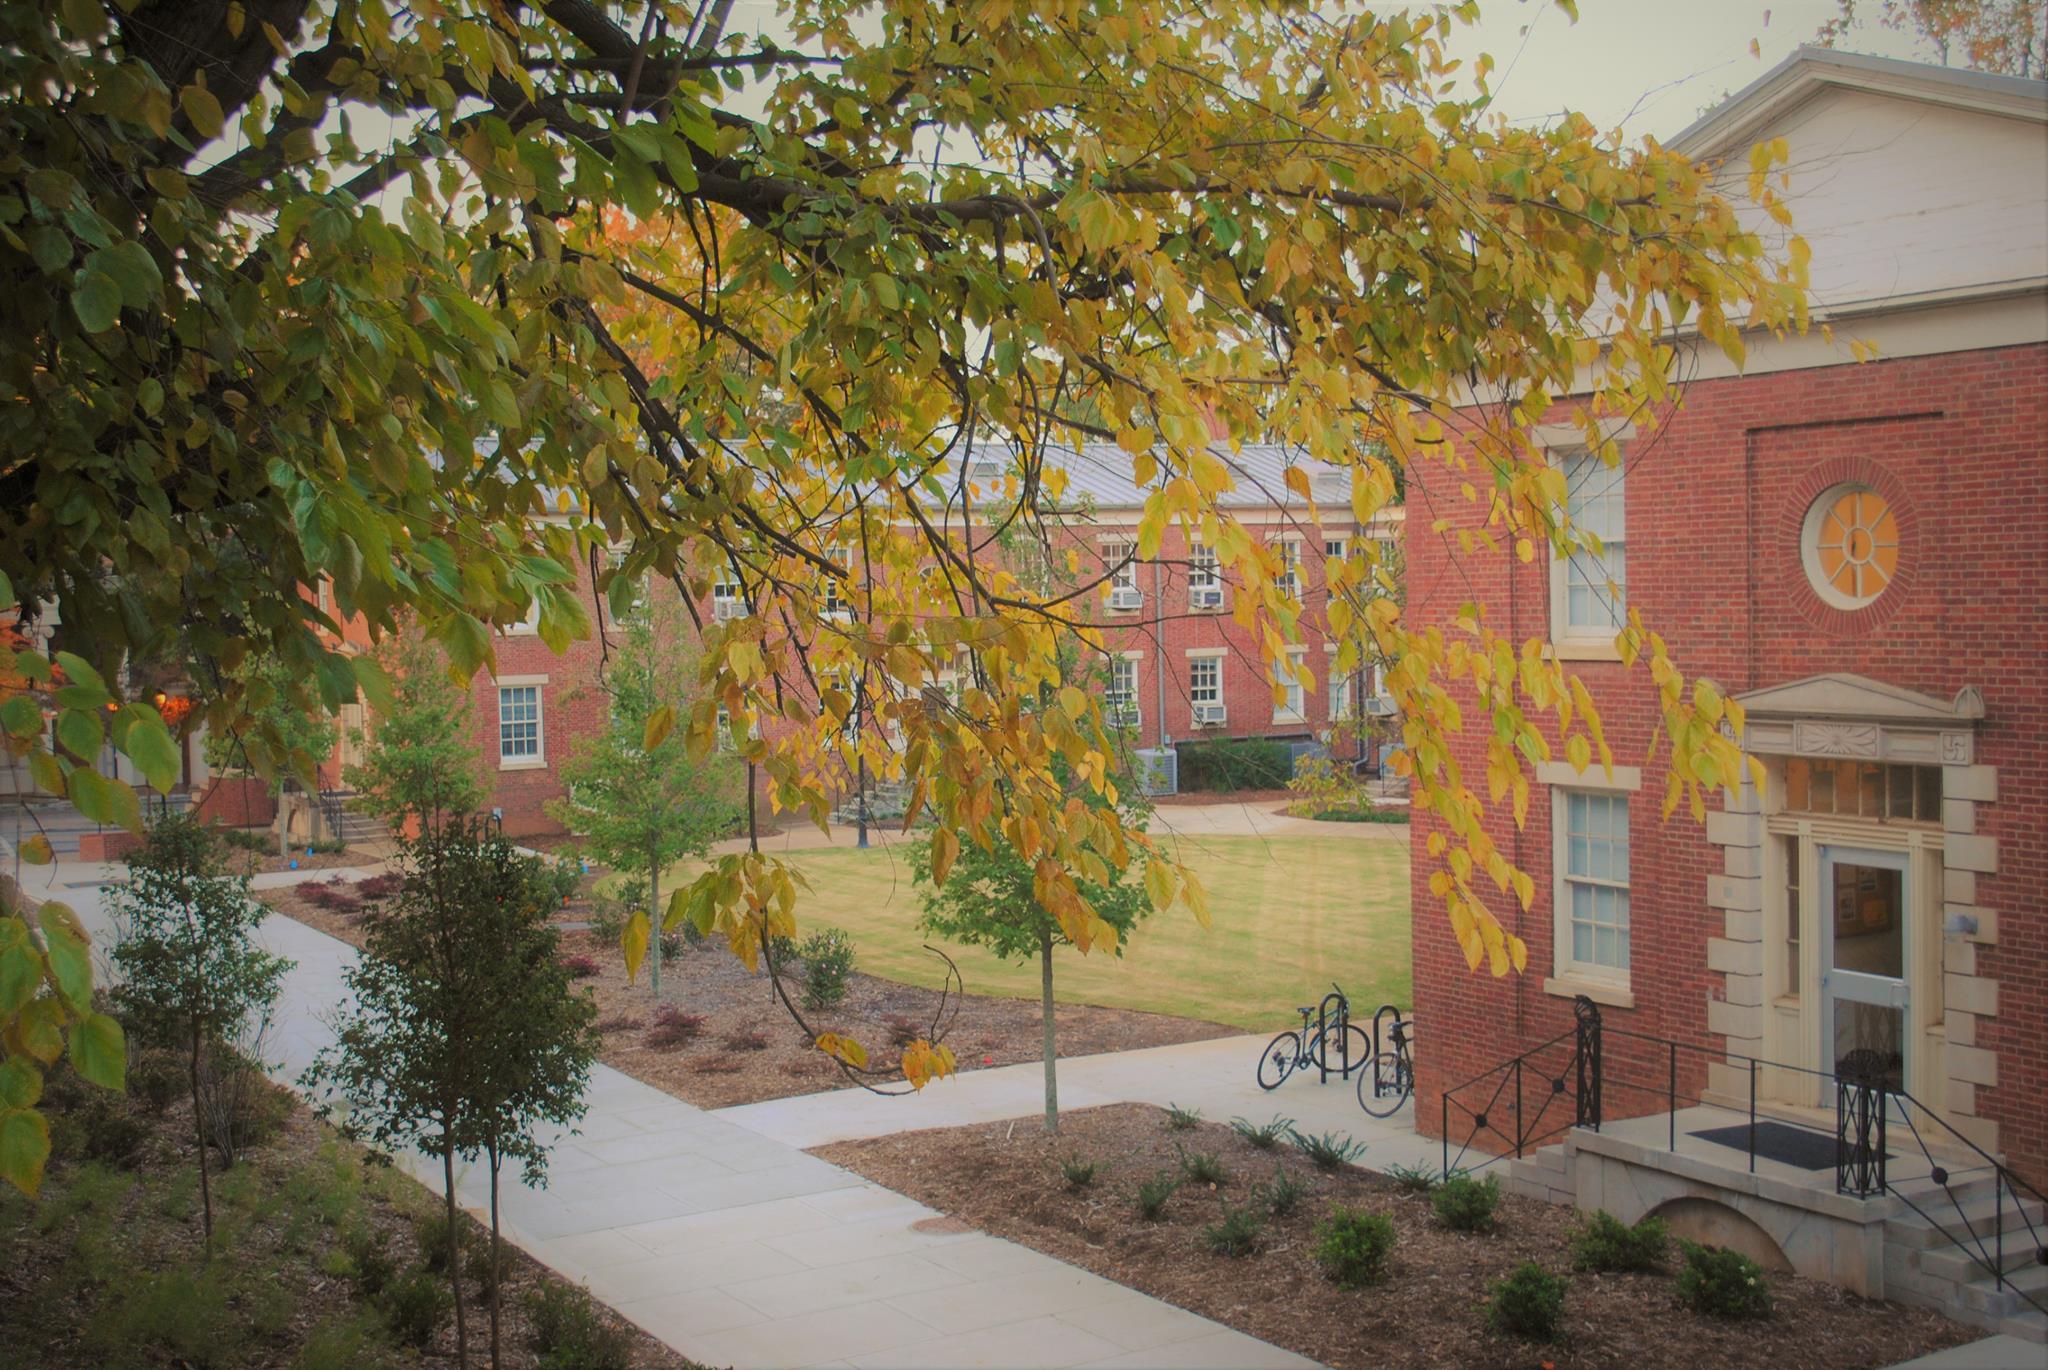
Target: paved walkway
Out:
[737,1248]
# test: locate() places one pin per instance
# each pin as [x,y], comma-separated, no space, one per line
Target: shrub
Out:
[566,1332]
[1283,1195]
[1320,785]
[1180,1119]
[1464,1204]
[828,961]
[1352,1246]
[107,1130]
[1079,1173]
[259,840]
[1235,1235]
[1722,1283]
[373,888]
[1604,1242]
[673,1027]
[1246,763]
[180,1315]
[618,1022]
[156,1079]
[1153,1194]
[371,1267]
[413,1305]
[580,967]
[1412,1179]
[1264,1136]
[1330,1151]
[609,911]
[1202,1167]
[238,1107]
[717,1065]
[1528,1304]
[744,1039]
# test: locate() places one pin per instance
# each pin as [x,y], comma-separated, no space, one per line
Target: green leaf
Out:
[130,267]
[20,715]
[21,1084]
[92,794]
[81,672]
[151,748]
[69,952]
[99,1053]
[374,683]
[36,851]
[21,970]
[96,300]
[81,734]
[24,1147]
[48,772]
[202,109]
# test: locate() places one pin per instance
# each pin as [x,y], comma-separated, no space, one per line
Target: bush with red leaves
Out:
[673,1027]
[579,967]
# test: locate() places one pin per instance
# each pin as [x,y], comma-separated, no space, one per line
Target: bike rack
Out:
[1378,1042]
[1342,1017]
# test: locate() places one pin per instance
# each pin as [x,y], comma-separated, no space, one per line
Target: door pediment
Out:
[1854,716]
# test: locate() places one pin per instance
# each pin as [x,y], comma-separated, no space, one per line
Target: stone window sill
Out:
[523,763]
[1612,995]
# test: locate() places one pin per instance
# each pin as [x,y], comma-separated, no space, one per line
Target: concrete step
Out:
[1541,1175]
[1913,1229]
[1985,1295]
[1963,1262]
[2031,1325]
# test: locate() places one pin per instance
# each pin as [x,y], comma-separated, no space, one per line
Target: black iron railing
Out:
[1572,1074]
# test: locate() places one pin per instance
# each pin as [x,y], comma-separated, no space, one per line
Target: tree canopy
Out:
[311,289]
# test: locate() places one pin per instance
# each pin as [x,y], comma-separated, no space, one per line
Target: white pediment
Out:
[1844,696]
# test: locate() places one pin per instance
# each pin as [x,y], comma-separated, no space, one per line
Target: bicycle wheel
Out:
[1384,1087]
[1349,1058]
[1278,1061]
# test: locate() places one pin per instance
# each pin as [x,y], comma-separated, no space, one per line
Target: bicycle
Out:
[1384,1087]
[1324,1027]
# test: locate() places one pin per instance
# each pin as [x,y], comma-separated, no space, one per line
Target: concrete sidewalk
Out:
[738,1249]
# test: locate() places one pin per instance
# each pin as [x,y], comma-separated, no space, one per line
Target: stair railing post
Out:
[1445,1100]
[1752,1115]
[1518,1108]
[1671,1095]
[1586,1047]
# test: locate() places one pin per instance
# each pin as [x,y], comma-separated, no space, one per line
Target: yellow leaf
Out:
[633,941]
[37,852]
[945,846]
[660,724]
[843,1049]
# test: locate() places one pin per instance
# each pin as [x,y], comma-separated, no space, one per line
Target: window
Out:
[1337,548]
[1289,704]
[1592,883]
[1341,706]
[1850,545]
[1289,578]
[726,741]
[530,624]
[728,599]
[1124,569]
[835,591]
[519,736]
[1205,587]
[1863,789]
[1205,679]
[1122,697]
[1588,589]
[1790,848]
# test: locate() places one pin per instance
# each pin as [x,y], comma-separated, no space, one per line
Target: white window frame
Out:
[1570,970]
[1120,703]
[1594,637]
[1204,574]
[1294,709]
[529,625]
[728,595]
[1197,659]
[539,758]
[1336,547]
[837,606]
[1343,704]
[1289,577]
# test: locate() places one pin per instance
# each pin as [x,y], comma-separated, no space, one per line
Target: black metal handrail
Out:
[1864,1107]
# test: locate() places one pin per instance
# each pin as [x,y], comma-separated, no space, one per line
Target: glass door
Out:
[1862,916]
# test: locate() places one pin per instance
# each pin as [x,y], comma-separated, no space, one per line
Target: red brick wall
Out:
[1714,502]
[236,801]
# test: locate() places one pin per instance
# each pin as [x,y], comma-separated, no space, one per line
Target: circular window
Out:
[1850,544]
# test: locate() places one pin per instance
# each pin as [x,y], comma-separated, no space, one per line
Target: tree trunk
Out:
[454,1252]
[497,1256]
[654,917]
[199,1131]
[1052,1054]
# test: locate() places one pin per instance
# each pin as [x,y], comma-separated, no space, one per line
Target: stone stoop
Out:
[1545,1175]
[1924,1265]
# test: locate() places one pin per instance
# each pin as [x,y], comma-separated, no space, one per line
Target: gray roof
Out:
[1099,474]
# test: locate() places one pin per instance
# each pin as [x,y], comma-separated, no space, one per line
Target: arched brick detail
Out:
[1819,478]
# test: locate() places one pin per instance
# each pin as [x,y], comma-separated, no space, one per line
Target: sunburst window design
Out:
[1850,544]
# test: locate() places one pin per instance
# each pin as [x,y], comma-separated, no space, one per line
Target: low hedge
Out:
[1235,763]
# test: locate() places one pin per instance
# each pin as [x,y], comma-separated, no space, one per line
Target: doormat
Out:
[1780,1142]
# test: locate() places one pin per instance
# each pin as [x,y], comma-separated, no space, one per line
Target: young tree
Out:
[1987,35]
[461,1034]
[420,760]
[992,896]
[636,798]
[280,737]
[189,970]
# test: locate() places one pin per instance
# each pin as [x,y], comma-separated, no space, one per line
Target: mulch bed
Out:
[1005,1178]
[80,1258]
[748,1048]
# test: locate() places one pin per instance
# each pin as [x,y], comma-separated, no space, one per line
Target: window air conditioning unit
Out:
[725,609]
[1210,715]
[1205,597]
[1126,597]
[1379,706]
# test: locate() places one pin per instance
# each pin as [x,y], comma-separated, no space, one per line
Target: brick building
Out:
[1859,553]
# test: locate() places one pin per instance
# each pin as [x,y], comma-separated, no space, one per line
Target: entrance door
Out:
[1862,912]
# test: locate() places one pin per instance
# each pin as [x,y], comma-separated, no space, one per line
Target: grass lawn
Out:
[1291,915]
